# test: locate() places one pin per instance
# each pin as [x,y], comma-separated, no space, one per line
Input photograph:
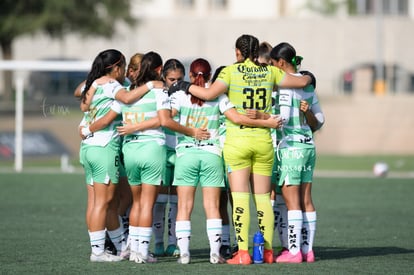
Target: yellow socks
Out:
[241,218]
[265,217]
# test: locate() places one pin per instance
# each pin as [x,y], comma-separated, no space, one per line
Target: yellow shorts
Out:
[254,152]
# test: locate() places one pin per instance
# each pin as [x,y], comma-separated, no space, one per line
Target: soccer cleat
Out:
[124,254]
[217,259]
[140,259]
[225,251]
[268,256]
[172,250]
[289,258]
[308,257]
[159,249]
[234,249]
[184,259]
[105,257]
[151,258]
[241,257]
[283,251]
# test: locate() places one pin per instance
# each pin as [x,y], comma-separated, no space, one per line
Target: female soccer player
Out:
[297,158]
[102,172]
[248,151]
[172,72]
[144,155]
[205,155]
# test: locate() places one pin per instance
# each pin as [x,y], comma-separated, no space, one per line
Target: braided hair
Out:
[249,47]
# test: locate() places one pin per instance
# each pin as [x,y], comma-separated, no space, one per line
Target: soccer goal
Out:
[19,68]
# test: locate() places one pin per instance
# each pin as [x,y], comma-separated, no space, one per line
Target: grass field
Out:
[396,163]
[365,226]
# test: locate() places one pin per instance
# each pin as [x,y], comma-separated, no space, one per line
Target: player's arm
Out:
[294,81]
[86,103]
[128,97]
[99,124]
[129,128]
[240,119]
[255,114]
[78,90]
[165,116]
[314,115]
[212,92]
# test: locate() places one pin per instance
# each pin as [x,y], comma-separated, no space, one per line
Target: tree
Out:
[57,18]
[330,7]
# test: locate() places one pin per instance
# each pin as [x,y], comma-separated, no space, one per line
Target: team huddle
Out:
[149,139]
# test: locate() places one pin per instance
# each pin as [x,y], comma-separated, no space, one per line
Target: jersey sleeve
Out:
[116,107]
[224,103]
[116,87]
[163,102]
[225,75]
[285,103]
[175,100]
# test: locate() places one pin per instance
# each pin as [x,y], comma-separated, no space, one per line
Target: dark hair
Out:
[286,51]
[150,61]
[103,64]
[313,78]
[200,69]
[172,65]
[264,50]
[249,47]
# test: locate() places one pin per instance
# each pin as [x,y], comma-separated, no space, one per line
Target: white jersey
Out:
[144,109]
[205,116]
[295,131]
[101,104]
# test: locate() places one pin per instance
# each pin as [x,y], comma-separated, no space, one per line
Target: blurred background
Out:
[359,50]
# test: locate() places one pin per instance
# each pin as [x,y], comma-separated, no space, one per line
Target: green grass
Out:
[364,227]
[364,163]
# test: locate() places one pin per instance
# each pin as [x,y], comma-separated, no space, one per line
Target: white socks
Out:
[144,240]
[118,239]
[308,231]
[214,233]
[295,221]
[183,233]
[97,239]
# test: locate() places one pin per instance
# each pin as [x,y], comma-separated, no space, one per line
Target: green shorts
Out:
[144,162]
[169,171]
[296,165]
[101,164]
[254,152]
[194,165]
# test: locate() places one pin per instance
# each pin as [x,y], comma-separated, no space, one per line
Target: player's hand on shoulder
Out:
[179,86]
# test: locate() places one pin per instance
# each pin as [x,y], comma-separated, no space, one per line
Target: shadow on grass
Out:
[197,256]
[333,253]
